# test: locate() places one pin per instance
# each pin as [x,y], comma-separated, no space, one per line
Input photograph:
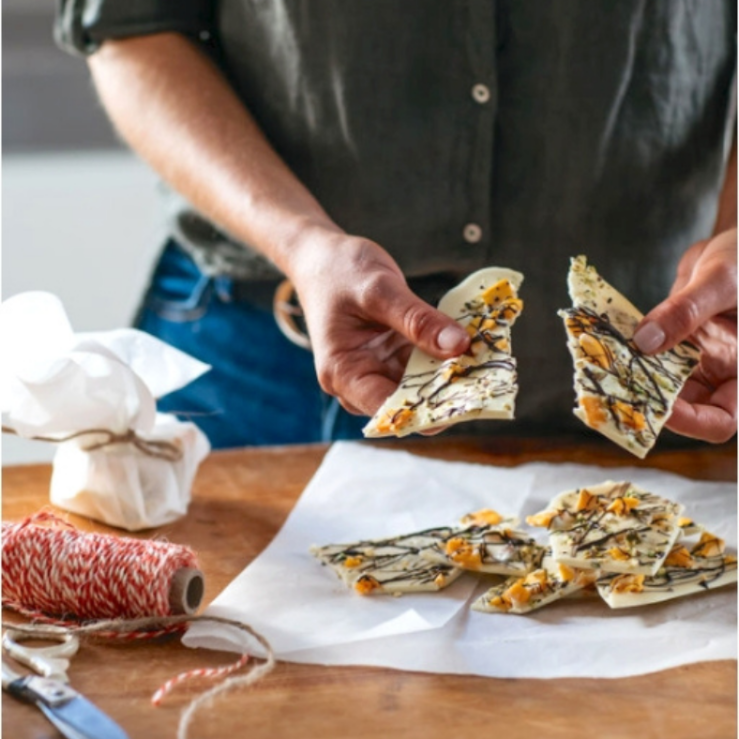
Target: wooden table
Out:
[240,500]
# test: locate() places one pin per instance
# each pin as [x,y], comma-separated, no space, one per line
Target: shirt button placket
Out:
[472,233]
[476,225]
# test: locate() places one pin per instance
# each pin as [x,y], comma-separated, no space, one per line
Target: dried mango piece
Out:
[623,506]
[394,420]
[628,584]
[499,603]
[453,372]
[629,416]
[518,593]
[595,412]
[679,557]
[536,579]
[509,310]
[596,351]
[619,554]
[709,545]
[586,501]
[463,554]
[501,290]
[542,519]
[366,584]
[483,517]
[566,573]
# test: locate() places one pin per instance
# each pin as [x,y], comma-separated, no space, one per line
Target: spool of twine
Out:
[58,571]
[97,585]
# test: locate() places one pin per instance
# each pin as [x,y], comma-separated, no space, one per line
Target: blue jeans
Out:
[262,388]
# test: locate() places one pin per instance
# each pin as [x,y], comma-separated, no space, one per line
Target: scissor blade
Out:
[72,714]
[80,719]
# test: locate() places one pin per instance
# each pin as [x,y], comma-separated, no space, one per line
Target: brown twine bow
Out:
[169,450]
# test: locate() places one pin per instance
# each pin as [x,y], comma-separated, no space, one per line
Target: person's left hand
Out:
[702,307]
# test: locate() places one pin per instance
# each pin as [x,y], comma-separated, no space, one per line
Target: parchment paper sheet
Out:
[364,492]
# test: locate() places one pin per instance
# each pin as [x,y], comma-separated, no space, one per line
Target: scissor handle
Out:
[51,661]
[9,675]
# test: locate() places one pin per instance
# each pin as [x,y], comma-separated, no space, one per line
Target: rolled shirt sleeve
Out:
[81,26]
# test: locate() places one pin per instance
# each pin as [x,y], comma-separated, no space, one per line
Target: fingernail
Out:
[450,338]
[649,337]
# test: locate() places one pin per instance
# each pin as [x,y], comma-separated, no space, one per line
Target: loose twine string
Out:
[122,583]
[169,450]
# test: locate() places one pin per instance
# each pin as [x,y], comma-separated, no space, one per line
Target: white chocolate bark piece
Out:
[481,384]
[625,395]
[612,526]
[519,595]
[393,566]
[495,549]
[684,572]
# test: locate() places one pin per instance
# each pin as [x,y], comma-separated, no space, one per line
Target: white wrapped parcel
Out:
[119,461]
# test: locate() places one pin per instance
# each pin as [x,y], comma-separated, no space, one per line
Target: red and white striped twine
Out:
[59,571]
[212,673]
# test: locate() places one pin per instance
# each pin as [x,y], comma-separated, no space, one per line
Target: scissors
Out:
[72,714]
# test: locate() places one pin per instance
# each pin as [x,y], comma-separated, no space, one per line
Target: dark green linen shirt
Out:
[460,134]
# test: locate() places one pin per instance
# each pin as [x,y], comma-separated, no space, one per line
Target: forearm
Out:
[726,215]
[176,110]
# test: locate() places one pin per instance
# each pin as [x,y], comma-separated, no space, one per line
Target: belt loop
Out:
[199,293]
[224,287]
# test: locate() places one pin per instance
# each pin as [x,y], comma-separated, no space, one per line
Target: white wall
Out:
[85,226]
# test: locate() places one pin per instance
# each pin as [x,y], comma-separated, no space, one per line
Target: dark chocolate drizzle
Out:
[668,576]
[431,389]
[401,550]
[638,376]
[590,533]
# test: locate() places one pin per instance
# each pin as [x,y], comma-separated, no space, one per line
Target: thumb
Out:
[425,327]
[710,292]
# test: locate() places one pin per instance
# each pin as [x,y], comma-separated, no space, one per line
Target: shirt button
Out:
[472,233]
[481,93]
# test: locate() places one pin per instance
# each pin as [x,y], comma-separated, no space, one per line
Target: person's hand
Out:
[363,320]
[702,307]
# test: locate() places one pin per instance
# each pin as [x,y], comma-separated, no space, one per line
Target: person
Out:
[375,153]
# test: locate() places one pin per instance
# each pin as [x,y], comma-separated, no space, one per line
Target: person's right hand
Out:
[702,308]
[363,320]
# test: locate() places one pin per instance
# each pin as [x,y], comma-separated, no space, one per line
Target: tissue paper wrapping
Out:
[125,487]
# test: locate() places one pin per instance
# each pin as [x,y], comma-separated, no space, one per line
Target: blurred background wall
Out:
[80,215]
